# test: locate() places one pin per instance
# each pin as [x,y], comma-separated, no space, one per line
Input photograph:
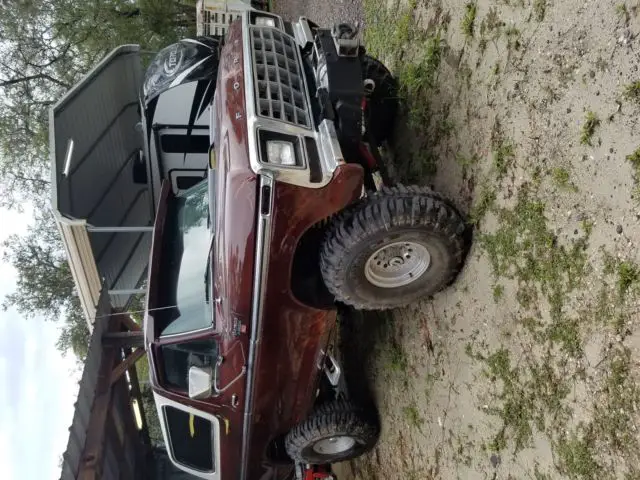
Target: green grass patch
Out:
[632,91]
[412,416]
[628,277]
[523,248]
[587,226]
[562,179]
[614,417]
[591,122]
[515,410]
[398,361]
[469,19]
[466,162]
[576,458]
[529,397]
[504,156]
[498,292]
[634,160]
[484,203]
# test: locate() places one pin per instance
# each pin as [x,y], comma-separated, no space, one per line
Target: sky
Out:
[38,386]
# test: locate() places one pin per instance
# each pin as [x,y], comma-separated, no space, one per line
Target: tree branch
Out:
[29,78]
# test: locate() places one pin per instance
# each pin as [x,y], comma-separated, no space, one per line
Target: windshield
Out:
[185,265]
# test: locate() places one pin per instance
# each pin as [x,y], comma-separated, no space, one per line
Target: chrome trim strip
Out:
[263,242]
[331,153]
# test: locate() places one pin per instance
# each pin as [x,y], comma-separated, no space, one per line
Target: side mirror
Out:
[200,380]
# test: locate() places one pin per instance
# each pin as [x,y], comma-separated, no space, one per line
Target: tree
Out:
[46,47]
[44,285]
[74,334]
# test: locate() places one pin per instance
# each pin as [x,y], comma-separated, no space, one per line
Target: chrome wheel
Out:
[334,445]
[397,264]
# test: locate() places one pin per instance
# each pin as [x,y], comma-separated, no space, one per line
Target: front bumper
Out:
[297,87]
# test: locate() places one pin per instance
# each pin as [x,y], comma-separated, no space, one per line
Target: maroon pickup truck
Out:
[294,214]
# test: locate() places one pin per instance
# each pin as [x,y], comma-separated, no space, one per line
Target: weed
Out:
[496,68]
[392,31]
[587,226]
[634,160]
[466,162]
[484,203]
[589,128]
[561,178]
[632,91]
[503,158]
[445,127]
[566,333]
[492,23]
[482,45]
[417,77]
[397,358]
[498,292]
[513,38]
[614,414]
[516,407]
[623,12]
[628,275]
[576,457]
[469,19]
[412,415]
[539,9]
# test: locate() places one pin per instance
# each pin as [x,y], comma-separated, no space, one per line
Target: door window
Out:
[178,358]
[191,439]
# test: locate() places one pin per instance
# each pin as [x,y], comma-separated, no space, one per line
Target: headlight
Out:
[265,22]
[280,152]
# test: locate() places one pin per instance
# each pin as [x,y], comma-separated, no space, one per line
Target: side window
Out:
[177,358]
[190,439]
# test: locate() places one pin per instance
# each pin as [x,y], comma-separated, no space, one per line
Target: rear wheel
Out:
[382,97]
[335,432]
[392,248]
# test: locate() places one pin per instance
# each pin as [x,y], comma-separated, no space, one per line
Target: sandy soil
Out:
[524,114]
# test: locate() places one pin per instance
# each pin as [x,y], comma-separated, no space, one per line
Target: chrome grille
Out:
[279,85]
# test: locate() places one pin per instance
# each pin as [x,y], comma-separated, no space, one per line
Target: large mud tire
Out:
[335,432]
[393,248]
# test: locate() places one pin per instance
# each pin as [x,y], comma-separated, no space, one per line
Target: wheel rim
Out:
[334,445]
[397,264]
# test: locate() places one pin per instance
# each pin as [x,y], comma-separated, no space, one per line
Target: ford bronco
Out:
[285,209]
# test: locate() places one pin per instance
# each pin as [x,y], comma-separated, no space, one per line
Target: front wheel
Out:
[335,432]
[392,248]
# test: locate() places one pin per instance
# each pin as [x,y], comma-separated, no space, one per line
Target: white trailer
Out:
[215,16]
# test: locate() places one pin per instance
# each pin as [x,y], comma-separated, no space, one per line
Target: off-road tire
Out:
[383,102]
[395,214]
[334,419]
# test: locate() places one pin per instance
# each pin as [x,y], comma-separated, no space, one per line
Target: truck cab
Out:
[274,203]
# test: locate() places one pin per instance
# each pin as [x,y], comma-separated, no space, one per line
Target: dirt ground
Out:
[524,112]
